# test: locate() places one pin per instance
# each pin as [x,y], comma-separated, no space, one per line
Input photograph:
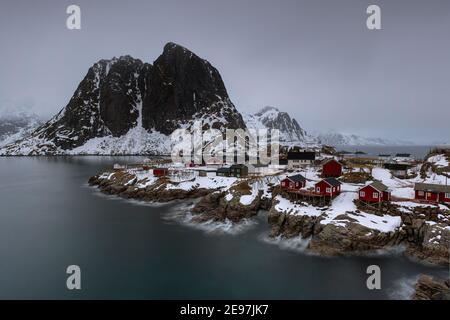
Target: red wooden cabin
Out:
[328,187]
[331,168]
[374,192]
[160,172]
[432,192]
[293,182]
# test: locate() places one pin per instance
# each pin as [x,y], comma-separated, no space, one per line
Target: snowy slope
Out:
[271,118]
[16,123]
[125,106]
[339,139]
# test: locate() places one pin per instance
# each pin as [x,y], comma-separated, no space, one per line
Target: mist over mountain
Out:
[340,139]
[15,123]
[291,133]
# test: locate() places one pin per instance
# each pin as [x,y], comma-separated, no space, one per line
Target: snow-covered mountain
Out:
[340,139]
[16,123]
[125,106]
[271,118]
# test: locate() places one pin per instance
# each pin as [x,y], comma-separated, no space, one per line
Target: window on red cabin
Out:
[362,194]
[447,195]
[328,190]
[318,189]
[421,193]
[375,195]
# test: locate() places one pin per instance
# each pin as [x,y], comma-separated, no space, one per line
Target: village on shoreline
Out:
[341,204]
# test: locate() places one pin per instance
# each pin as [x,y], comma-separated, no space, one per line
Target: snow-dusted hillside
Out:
[340,139]
[16,124]
[125,106]
[271,118]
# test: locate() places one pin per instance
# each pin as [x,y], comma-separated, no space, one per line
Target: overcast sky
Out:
[315,59]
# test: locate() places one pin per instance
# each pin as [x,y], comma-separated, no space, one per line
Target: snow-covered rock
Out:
[125,106]
[16,123]
[340,139]
[291,133]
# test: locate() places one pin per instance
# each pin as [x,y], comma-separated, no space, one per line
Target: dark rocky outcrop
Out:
[186,87]
[215,207]
[420,237]
[123,185]
[123,93]
[430,288]
[212,204]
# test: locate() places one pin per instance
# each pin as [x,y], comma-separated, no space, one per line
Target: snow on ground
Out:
[204,182]
[400,188]
[439,160]
[435,179]
[386,223]
[284,205]
[410,204]
[247,200]
[136,141]
[406,192]
[342,204]
[386,178]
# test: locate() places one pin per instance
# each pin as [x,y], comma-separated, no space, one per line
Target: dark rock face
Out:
[429,288]
[105,103]
[186,87]
[272,118]
[122,93]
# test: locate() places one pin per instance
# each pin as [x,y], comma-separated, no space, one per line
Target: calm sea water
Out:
[50,219]
[418,152]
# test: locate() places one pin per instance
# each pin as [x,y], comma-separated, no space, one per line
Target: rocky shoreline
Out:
[212,204]
[416,235]
[430,288]
[423,233]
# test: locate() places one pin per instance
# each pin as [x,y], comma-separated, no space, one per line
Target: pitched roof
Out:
[307,155]
[297,178]
[431,187]
[396,166]
[331,181]
[325,161]
[238,166]
[379,186]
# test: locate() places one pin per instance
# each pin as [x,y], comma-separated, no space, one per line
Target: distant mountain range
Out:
[16,124]
[340,139]
[290,131]
[125,106]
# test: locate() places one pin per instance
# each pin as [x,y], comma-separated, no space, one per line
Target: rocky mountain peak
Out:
[267,109]
[272,118]
[127,101]
[185,88]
